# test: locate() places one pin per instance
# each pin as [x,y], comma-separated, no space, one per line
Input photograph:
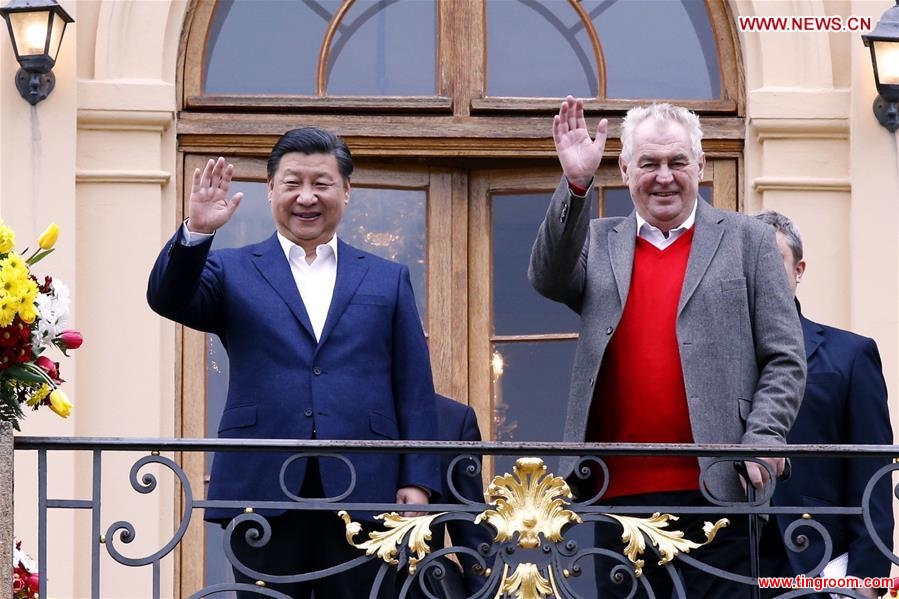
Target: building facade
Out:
[450,130]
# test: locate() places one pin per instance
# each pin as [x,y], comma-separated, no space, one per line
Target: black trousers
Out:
[729,551]
[774,561]
[306,541]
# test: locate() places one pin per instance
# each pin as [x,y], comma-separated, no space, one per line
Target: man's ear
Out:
[622,166]
[799,270]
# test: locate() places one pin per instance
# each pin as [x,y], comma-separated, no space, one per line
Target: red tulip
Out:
[48,366]
[71,339]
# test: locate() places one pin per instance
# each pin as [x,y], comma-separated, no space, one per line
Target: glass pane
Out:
[252,222]
[266,46]
[617,201]
[530,392]
[657,48]
[390,223]
[651,48]
[386,222]
[385,48]
[517,308]
[526,37]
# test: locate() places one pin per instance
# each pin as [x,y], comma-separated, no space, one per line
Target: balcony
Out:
[539,538]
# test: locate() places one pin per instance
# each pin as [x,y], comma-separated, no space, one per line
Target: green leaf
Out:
[38,256]
[10,410]
[28,373]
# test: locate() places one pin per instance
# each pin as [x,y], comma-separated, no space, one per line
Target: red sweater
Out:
[640,395]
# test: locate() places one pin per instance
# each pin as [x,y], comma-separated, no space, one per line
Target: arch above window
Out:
[460,57]
[602,49]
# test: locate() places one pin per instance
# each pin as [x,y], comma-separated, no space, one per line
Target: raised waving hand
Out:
[210,206]
[578,153]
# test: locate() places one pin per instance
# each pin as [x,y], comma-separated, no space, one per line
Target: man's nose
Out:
[664,174]
[306,195]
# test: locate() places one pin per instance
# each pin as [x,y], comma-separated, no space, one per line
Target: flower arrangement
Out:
[25,581]
[32,318]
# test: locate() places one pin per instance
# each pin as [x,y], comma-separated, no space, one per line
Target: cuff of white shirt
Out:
[191,238]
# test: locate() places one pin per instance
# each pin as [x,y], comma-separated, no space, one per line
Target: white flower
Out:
[53,310]
[27,561]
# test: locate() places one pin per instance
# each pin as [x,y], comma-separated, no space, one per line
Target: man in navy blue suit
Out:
[324,342]
[845,402]
[457,422]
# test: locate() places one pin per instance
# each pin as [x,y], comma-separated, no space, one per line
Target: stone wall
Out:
[6,513]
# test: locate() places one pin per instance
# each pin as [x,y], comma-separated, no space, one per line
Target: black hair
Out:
[311,140]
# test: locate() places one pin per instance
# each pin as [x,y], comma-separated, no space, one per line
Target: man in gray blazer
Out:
[688,334]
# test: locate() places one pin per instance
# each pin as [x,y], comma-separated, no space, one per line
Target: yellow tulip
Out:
[60,404]
[48,238]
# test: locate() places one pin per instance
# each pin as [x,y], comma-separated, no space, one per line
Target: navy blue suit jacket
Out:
[368,377]
[845,402]
[457,422]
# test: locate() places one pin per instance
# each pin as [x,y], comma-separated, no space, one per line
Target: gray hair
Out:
[785,227]
[661,113]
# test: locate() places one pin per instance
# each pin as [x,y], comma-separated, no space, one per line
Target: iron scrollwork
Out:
[528,512]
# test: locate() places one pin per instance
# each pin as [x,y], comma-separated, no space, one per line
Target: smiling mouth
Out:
[665,194]
[307,216]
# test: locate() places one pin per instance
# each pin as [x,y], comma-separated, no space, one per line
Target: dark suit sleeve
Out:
[868,422]
[413,390]
[184,286]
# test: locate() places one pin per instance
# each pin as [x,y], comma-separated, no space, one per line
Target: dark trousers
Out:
[774,561]
[729,551]
[307,541]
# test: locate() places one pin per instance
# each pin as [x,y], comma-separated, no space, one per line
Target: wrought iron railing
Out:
[529,514]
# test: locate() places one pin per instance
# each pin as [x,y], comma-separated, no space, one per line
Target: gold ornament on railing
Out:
[669,542]
[530,503]
[526,582]
[385,543]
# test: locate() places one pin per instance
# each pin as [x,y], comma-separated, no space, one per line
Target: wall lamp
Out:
[36,28]
[884,44]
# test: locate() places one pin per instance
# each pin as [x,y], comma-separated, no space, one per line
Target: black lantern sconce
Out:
[884,44]
[36,28]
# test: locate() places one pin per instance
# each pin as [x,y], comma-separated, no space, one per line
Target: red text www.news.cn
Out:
[830,23]
[820,584]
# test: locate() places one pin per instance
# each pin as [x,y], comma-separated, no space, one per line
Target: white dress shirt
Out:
[314,281]
[655,236]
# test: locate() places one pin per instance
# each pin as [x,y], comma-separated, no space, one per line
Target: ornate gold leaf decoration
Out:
[525,582]
[529,502]
[384,543]
[669,542]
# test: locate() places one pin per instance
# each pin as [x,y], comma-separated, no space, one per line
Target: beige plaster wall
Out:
[815,152]
[99,158]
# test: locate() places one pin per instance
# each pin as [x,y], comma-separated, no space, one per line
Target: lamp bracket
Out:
[35,86]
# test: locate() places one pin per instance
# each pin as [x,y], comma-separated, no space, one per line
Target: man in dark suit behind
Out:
[457,422]
[688,332]
[845,403]
[324,342]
